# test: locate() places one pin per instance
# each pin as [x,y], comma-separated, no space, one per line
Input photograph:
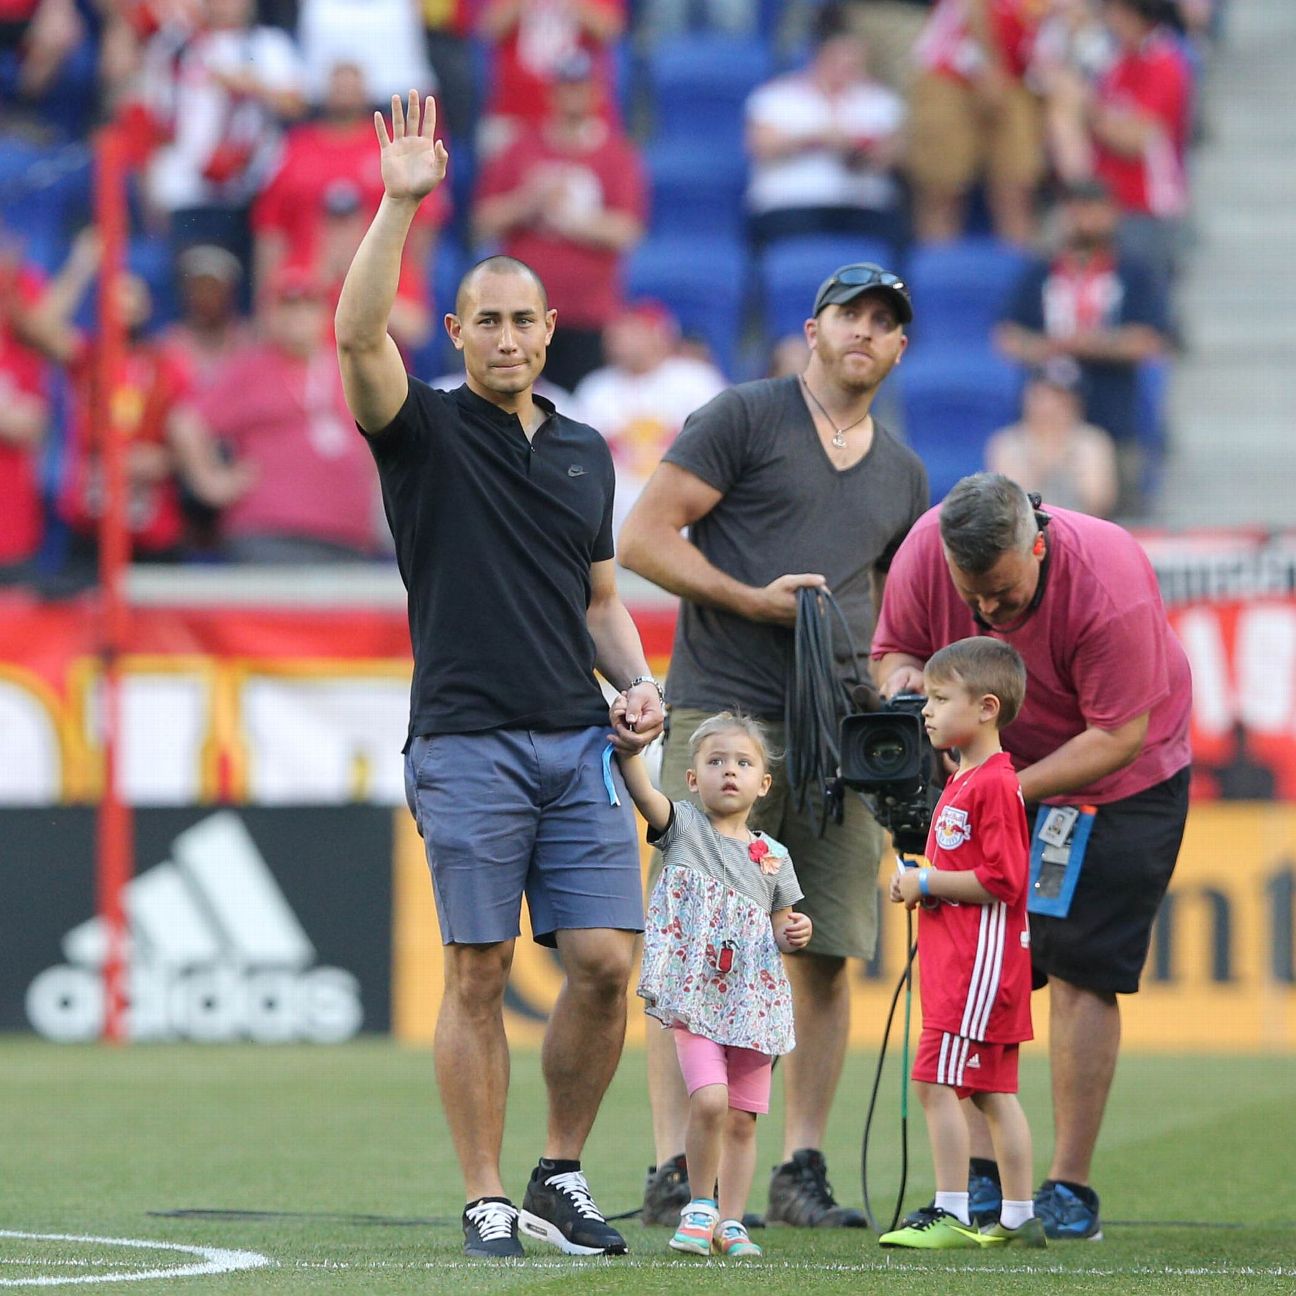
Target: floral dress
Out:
[710,962]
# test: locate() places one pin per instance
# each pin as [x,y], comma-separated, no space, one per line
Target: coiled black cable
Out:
[817,700]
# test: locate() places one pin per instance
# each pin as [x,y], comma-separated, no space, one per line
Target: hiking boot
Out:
[490,1227]
[558,1209]
[731,1240]
[933,1229]
[697,1226]
[1067,1214]
[801,1195]
[666,1192]
[1030,1233]
[985,1199]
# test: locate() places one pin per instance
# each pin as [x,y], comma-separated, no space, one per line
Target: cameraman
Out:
[1105,725]
[783,483]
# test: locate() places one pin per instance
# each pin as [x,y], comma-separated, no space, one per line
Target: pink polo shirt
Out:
[1098,649]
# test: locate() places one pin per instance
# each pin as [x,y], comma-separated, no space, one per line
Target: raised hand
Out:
[413,162]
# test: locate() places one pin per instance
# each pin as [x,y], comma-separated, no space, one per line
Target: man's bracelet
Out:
[924,887]
[648,679]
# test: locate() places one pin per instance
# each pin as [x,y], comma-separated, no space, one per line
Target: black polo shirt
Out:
[494,539]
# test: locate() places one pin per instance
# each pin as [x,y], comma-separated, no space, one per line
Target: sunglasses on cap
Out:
[851,280]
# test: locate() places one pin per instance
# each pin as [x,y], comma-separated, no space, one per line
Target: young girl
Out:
[719,914]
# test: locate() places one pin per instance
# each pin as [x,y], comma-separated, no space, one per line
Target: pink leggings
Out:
[746,1072]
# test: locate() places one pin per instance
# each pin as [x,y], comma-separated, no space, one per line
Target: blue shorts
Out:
[513,812]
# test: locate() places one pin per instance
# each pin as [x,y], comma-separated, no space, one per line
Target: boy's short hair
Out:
[733,722]
[984,665]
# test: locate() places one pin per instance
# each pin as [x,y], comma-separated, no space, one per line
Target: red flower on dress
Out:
[761,854]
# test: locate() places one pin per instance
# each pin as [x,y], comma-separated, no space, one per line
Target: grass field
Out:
[304,1144]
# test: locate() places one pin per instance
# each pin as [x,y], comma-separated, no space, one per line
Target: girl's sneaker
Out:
[696,1230]
[731,1240]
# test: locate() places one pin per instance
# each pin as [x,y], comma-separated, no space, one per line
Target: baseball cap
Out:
[649,311]
[342,198]
[1091,189]
[574,66]
[295,283]
[210,261]
[848,281]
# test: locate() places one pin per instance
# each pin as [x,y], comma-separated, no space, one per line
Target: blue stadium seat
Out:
[960,289]
[44,195]
[951,400]
[792,269]
[695,190]
[437,354]
[151,259]
[699,83]
[702,280]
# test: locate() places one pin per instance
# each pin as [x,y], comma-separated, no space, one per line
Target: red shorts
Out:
[965,1065]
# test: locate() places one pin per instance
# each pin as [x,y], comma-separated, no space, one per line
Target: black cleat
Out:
[666,1193]
[558,1209]
[490,1226]
[801,1195]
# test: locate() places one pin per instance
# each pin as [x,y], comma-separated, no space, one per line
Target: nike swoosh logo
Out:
[575,471]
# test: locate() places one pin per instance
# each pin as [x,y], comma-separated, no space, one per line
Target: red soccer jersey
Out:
[1153,81]
[546,33]
[974,959]
[317,160]
[147,388]
[583,280]
[21,523]
[947,46]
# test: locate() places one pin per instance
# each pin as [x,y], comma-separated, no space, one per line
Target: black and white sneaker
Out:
[558,1209]
[490,1226]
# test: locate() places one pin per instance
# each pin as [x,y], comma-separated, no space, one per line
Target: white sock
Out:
[1014,1214]
[956,1204]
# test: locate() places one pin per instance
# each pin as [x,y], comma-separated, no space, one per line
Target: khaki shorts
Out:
[952,144]
[837,872]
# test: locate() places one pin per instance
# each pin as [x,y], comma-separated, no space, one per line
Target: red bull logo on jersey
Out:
[952,828]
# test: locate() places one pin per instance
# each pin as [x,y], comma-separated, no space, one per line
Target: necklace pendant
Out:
[839,440]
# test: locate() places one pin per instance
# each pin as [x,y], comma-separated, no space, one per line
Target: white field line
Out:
[211,1260]
[1223,1270]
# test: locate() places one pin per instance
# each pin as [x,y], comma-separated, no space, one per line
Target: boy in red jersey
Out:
[973,948]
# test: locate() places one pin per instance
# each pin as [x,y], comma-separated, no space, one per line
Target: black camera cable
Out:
[905,983]
[817,700]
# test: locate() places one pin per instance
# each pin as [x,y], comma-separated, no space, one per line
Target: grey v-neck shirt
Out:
[785,508]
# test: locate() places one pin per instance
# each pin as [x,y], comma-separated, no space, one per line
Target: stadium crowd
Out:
[682,175]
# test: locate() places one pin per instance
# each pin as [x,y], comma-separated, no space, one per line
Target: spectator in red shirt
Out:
[973,116]
[570,199]
[279,407]
[24,416]
[1130,128]
[217,94]
[319,202]
[210,328]
[150,402]
[532,40]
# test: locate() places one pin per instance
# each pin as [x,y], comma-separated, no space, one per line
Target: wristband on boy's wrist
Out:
[924,887]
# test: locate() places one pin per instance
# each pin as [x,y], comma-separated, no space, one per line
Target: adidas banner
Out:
[268,925]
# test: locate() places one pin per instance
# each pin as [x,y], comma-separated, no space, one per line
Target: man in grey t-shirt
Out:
[781,484]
